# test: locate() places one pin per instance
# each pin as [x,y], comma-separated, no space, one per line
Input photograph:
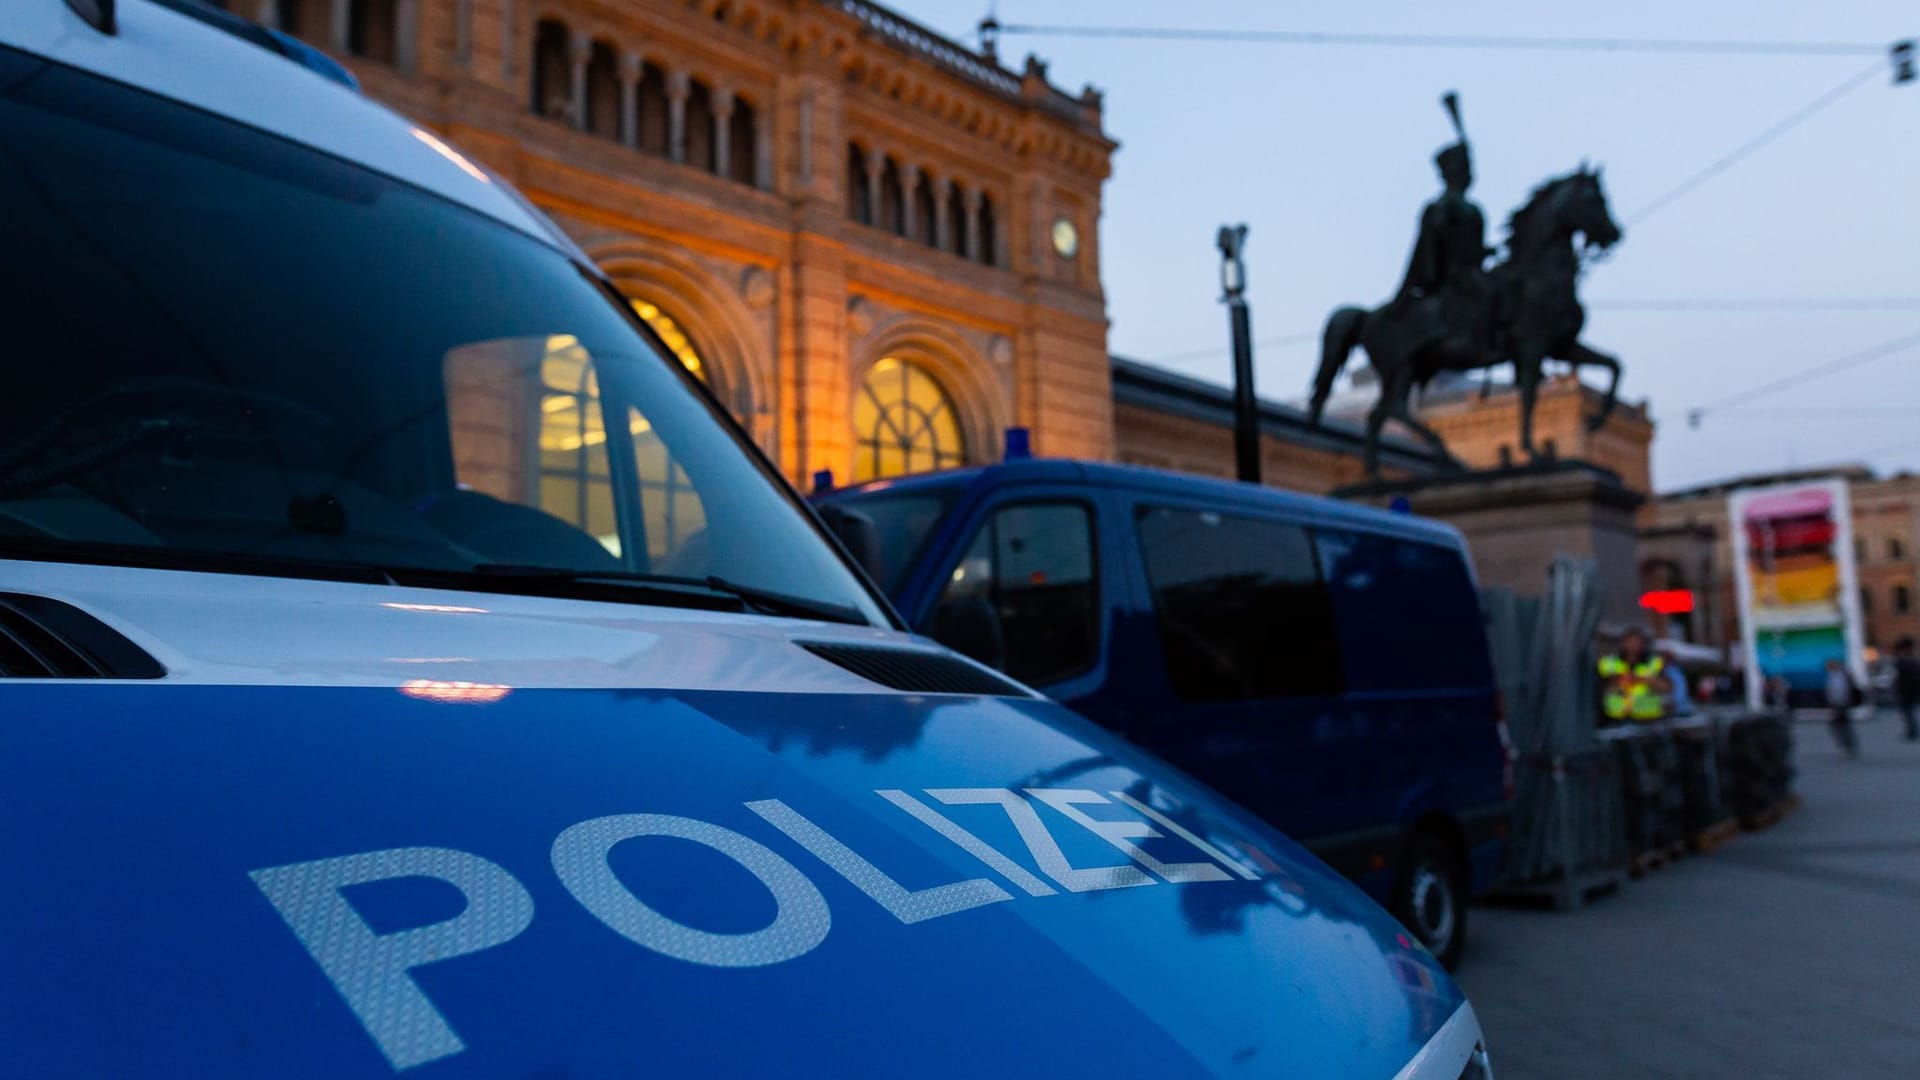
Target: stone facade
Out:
[1517,520]
[802,187]
[1485,432]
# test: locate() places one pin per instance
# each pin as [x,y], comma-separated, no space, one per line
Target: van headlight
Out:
[1456,1052]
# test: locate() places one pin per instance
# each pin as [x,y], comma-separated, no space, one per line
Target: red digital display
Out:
[1668,601]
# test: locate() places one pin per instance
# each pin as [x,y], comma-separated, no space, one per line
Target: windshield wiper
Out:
[673,586]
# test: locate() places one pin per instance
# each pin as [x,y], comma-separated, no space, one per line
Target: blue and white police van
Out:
[407,668]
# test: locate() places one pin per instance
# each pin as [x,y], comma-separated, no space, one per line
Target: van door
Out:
[1024,593]
[1417,671]
[1246,694]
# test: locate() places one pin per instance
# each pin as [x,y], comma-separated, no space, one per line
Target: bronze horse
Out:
[1535,315]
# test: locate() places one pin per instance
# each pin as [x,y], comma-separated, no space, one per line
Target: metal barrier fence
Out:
[1569,832]
[1591,803]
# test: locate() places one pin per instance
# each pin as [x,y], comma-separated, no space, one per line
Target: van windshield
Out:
[905,521]
[227,351]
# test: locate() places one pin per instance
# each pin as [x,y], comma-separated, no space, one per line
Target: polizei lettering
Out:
[372,970]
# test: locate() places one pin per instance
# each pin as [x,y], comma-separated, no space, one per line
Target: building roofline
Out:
[1854,472]
[1150,387]
[958,60]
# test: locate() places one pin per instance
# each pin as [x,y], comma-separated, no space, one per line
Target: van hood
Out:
[478,877]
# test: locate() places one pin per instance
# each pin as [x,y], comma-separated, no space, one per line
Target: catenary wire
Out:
[1227,350]
[1671,46]
[1818,371]
[1733,157]
[1760,304]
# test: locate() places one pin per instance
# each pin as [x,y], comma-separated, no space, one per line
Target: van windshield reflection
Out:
[413,392]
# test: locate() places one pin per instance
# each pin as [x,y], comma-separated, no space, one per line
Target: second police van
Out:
[362,715]
[1322,664]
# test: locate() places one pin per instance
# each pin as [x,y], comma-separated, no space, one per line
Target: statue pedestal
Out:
[1516,520]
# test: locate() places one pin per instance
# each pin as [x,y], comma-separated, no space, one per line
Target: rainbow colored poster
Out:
[1797,583]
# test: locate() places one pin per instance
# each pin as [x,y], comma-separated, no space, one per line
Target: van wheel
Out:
[1430,897]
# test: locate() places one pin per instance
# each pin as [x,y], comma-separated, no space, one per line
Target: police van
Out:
[406,667]
[1320,663]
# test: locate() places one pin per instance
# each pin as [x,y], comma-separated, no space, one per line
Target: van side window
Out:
[1243,613]
[1407,613]
[1032,564]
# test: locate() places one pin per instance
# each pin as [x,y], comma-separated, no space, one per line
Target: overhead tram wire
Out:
[1734,156]
[1676,305]
[1818,371]
[1907,413]
[1670,46]
[1205,354]
[1760,304]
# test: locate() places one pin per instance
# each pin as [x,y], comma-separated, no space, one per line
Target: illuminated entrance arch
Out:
[904,422]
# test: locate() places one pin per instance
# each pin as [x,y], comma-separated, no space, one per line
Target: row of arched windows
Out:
[909,201]
[590,84]
[369,29]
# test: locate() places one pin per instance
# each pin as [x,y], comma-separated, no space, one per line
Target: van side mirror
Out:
[969,625]
[857,532]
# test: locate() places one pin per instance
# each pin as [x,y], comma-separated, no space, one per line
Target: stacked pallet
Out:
[1756,764]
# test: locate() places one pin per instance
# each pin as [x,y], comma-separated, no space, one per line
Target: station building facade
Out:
[878,247]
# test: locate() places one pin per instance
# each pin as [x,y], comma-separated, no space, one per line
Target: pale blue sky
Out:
[1325,152]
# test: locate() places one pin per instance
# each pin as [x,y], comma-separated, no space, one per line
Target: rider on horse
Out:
[1449,256]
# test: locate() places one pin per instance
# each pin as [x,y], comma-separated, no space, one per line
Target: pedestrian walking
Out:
[1777,695]
[1906,685]
[1842,695]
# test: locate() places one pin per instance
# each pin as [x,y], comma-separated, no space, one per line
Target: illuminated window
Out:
[675,337]
[575,484]
[904,422]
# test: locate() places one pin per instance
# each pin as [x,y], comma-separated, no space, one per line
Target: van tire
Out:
[1430,895]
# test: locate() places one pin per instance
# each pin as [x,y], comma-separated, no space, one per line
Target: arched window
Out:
[371,29]
[743,129]
[957,220]
[576,484]
[988,233]
[675,337]
[653,109]
[892,198]
[308,20]
[603,91]
[575,481]
[700,126]
[672,510]
[923,211]
[904,422]
[859,189]
[552,94]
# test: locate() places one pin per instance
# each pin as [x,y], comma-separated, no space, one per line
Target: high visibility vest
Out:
[1636,700]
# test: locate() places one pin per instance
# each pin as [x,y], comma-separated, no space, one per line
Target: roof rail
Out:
[274,41]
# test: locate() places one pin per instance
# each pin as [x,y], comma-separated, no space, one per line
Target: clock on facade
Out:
[1066,238]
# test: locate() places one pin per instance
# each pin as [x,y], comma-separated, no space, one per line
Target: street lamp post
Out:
[1246,407]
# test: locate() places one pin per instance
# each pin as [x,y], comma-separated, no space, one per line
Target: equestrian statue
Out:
[1452,313]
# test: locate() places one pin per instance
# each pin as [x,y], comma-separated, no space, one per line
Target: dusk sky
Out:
[1325,151]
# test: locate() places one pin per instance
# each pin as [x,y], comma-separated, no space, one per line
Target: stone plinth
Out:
[1516,520]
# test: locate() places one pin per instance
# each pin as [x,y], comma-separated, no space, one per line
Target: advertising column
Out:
[1798,585]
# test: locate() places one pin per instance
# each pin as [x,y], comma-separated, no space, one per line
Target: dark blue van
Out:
[1321,663]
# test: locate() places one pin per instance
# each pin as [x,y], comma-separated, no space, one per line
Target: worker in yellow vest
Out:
[1634,684]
